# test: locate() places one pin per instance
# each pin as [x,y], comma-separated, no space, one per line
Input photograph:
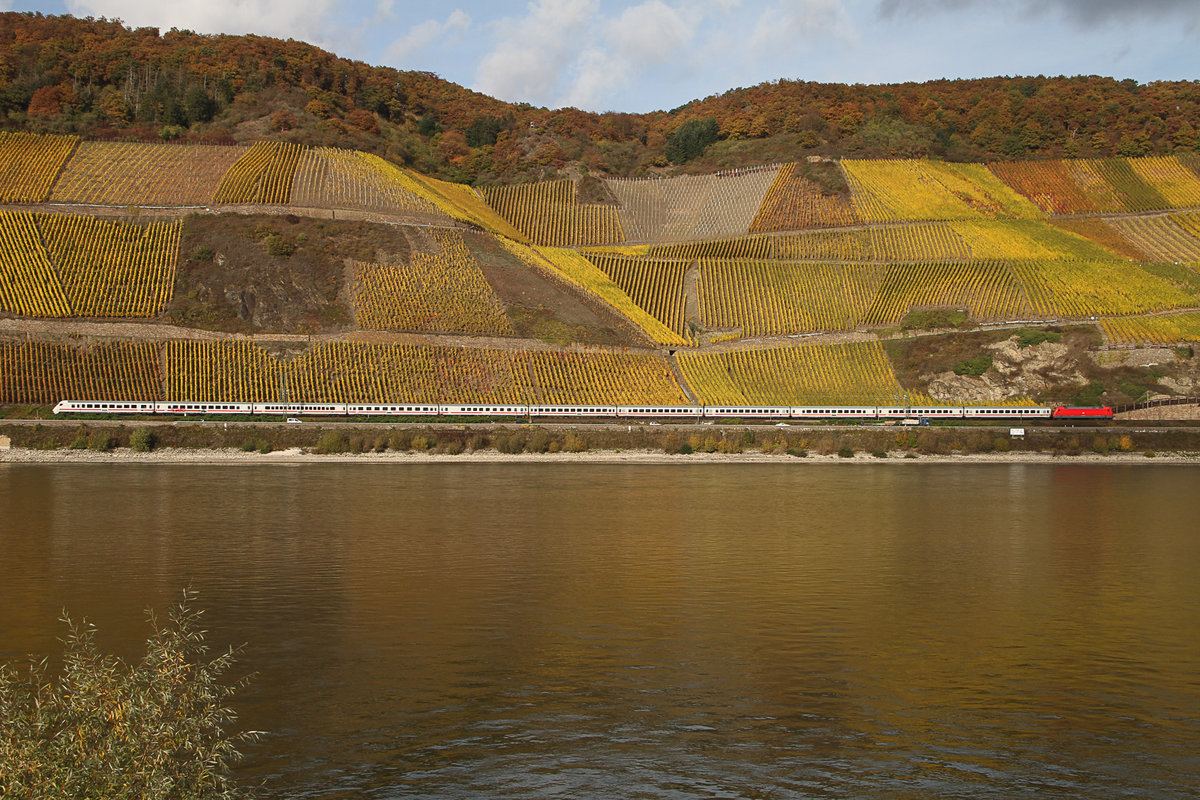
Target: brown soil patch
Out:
[541,308]
[235,274]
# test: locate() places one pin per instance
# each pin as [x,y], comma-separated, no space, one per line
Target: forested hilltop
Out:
[103,80]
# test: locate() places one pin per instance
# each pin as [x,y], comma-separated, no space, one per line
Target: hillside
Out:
[275,271]
[104,81]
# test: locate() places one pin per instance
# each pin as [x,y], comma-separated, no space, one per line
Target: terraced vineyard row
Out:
[143,174]
[839,374]
[1083,289]
[334,372]
[28,283]
[897,190]
[86,266]
[922,241]
[1165,238]
[444,291]
[767,298]
[988,290]
[655,285]
[239,371]
[110,269]
[30,163]
[341,372]
[611,378]
[1174,329]
[691,206]
[1110,185]
[572,267]
[794,202]
[549,213]
[262,174]
[918,242]
[42,373]
[330,177]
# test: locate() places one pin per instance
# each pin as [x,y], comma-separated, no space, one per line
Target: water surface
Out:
[654,631]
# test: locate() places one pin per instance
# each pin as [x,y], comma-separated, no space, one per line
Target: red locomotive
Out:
[1066,412]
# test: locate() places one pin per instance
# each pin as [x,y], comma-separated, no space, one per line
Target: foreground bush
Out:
[107,729]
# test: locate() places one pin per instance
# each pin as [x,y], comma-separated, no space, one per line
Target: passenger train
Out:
[298,410]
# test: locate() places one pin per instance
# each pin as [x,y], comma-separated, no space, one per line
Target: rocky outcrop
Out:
[1015,372]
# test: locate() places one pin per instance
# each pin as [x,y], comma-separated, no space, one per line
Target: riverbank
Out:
[98,441]
[299,456]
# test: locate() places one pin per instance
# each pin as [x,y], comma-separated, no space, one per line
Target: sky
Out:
[645,55]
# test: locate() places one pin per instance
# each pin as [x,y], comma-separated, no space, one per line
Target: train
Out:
[511,411]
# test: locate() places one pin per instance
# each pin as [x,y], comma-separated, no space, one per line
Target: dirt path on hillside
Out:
[407,218]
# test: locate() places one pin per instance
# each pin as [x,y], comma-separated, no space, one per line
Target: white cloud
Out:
[308,20]
[598,74]
[423,35]
[642,36]
[799,20]
[532,54]
[652,31]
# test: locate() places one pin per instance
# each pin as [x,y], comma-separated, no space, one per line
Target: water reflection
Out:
[648,631]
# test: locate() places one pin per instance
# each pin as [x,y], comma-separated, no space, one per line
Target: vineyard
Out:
[42,373]
[30,163]
[1189,222]
[86,267]
[766,298]
[1160,238]
[28,283]
[1168,176]
[604,378]
[655,285]
[1048,184]
[549,213]
[454,200]
[1026,239]
[1108,185]
[928,241]
[839,374]
[443,291]
[1175,329]
[911,235]
[989,290]
[1095,288]
[327,177]
[262,174]
[1101,233]
[111,269]
[573,268]
[341,372]
[896,190]
[691,206]
[794,202]
[140,174]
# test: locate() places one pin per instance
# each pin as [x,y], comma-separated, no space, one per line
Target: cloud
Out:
[598,75]
[309,20]
[422,36]
[786,23]
[1082,14]
[532,53]
[566,52]
[651,32]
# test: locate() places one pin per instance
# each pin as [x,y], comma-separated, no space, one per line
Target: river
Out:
[653,631]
